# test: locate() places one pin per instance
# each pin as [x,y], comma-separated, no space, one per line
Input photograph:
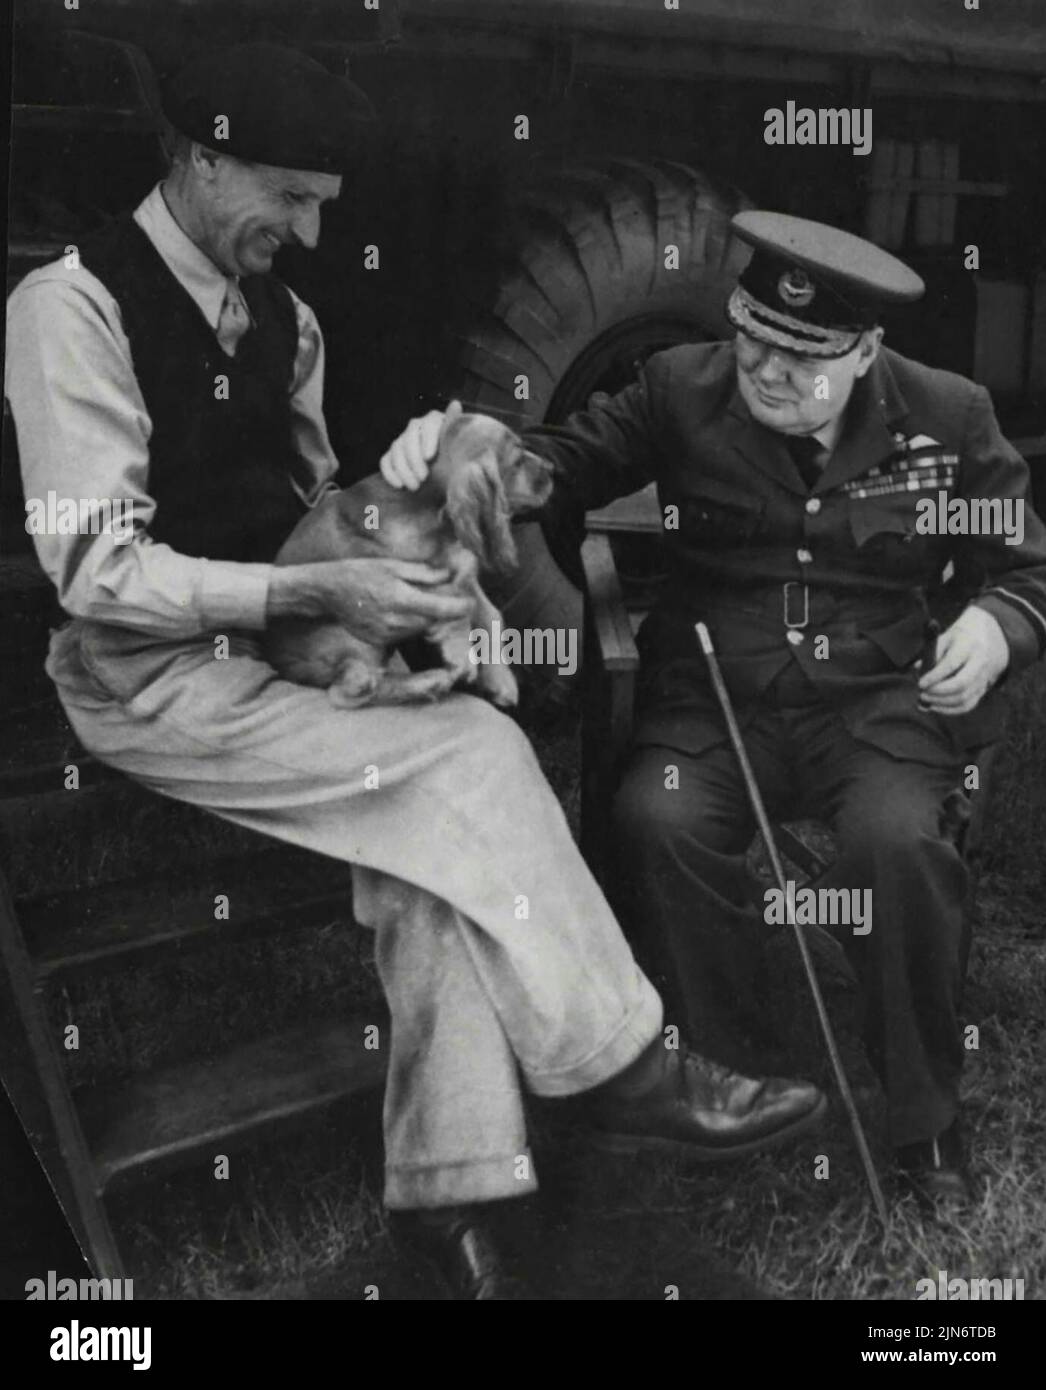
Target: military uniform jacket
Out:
[841,578]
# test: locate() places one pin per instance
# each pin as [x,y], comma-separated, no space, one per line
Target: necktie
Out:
[808,456]
[234,319]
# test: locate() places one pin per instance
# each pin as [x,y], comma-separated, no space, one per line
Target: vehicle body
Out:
[546,256]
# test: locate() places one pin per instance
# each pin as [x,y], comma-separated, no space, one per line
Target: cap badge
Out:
[796,288]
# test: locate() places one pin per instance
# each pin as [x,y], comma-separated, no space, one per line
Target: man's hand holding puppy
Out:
[443,533]
[380,601]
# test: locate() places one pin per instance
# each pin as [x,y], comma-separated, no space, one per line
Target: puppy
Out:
[458,519]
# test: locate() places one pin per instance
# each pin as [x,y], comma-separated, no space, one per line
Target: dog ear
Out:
[477,509]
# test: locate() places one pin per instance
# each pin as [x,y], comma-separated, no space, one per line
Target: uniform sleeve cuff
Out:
[1026,639]
[234,595]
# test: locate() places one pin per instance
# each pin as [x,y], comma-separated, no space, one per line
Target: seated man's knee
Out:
[893,828]
[496,739]
[650,810]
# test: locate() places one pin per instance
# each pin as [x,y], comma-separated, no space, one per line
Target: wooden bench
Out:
[94,1143]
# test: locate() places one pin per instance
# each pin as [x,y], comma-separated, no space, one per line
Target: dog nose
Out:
[542,465]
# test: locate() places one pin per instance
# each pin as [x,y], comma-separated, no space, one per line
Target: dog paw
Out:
[501,686]
[440,683]
[353,688]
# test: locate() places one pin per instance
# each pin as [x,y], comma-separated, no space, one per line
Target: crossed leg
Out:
[511,945]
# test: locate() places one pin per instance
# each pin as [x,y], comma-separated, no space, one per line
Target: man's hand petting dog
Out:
[406,461]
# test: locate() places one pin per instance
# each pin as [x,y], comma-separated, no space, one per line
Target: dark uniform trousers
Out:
[817,591]
[683,885]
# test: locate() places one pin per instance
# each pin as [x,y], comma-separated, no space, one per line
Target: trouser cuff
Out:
[458,1184]
[918,1125]
[632,1034]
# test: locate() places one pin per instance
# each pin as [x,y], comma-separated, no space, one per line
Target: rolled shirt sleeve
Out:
[83,433]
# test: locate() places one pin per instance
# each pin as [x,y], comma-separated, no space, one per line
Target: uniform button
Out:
[794,636]
[813,506]
[804,557]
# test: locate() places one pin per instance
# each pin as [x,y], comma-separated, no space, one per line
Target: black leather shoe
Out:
[705,1111]
[459,1243]
[935,1172]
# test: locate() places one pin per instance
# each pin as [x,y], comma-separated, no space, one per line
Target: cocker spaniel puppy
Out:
[459,519]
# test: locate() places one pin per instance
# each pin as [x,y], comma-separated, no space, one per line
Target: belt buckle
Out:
[794,584]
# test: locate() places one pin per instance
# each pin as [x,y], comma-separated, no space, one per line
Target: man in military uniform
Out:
[790,464]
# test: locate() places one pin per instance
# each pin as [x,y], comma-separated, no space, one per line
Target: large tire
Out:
[590,251]
[583,298]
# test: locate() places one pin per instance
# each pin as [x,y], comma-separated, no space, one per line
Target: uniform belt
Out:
[797,605]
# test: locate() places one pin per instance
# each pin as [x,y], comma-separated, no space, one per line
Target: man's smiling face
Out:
[251,210]
[794,394]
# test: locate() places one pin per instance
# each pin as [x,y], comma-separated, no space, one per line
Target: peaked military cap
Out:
[813,289]
[281,107]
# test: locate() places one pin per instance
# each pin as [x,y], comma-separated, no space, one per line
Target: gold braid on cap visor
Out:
[759,321]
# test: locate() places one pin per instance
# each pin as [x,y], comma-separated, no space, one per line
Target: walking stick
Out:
[788,890]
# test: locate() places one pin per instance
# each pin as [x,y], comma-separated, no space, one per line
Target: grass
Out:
[303,1218]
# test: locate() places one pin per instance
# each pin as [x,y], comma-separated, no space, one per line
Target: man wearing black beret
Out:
[801,469]
[165,367]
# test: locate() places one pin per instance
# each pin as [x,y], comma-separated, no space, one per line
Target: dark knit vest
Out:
[219,470]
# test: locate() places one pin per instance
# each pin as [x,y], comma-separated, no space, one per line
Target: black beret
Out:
[812,288]
[281,107]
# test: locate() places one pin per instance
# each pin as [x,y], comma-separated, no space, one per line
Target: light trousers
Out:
[503,966]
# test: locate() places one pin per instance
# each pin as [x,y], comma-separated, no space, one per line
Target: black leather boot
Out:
[936,1171]
[462,1247]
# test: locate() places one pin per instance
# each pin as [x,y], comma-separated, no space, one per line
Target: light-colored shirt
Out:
[83,432]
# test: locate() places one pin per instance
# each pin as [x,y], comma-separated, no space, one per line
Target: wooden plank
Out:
[196,1110]
[113,121]
[41,776]
[638,513]
[899,193]
[930,165]
[607,610]
[949,203]
[926,34]
[877,208]
[964,187]
[269,891]
[608,685]
[33,1077]
[37,743]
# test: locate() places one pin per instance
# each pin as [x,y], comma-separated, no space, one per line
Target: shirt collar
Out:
[828,436]
[194,271]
